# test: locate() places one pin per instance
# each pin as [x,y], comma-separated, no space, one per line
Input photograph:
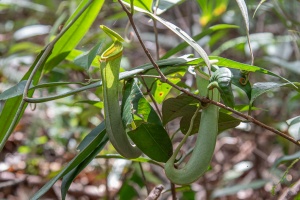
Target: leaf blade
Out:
[81,156]
[152,140]
[75,33]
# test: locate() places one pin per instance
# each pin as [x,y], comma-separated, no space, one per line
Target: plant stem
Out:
[130,17]
[151,97]
[173,191]
[201,99]
[144,178]
[155,30]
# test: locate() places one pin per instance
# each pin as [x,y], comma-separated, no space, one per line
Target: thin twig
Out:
[290,192]
[107,196]
[148,76]
[156,38]
[202,99]
[173,191]
[130,17]
[144,178]
[155,30]
[151,96]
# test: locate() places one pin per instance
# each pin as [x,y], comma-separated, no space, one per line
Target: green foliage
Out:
[153,140]
[86,59]
[153,107]
[75,33]
[90,147]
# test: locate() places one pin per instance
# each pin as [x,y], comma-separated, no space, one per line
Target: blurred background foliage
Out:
[48,134]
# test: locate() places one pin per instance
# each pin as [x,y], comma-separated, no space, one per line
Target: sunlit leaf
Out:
[244,11]
[161,90]
[73,35]
[142,4]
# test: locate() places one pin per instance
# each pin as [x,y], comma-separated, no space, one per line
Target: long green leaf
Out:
[208,31]
[12,105]
[89,147]
[261,88]
[183,35]
[69,177]
[18,89]
[243,8]
[244,11]
[286,158]
[224,62]
[236,188]
[72,37]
